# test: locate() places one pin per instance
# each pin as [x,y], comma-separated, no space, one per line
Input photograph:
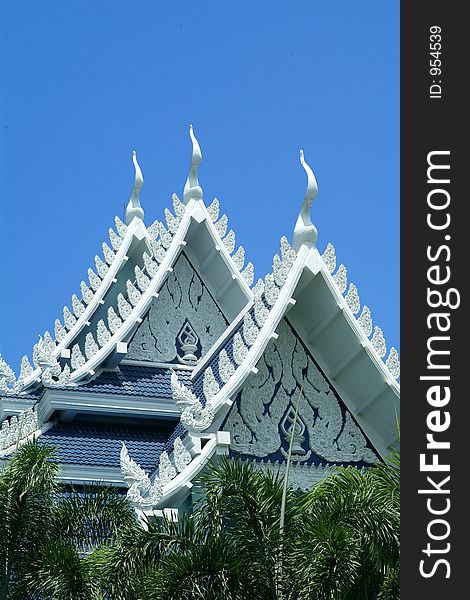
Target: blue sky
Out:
[85,83]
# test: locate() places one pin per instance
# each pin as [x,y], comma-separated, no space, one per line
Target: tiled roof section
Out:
[33,395]
[100,445]
[133,380]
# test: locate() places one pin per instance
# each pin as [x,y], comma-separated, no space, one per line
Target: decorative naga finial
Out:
[192,189]
[304,231]
[133,208]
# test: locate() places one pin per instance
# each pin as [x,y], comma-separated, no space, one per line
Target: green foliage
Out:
[45,532]
[340,539]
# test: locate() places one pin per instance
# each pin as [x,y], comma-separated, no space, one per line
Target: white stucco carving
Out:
[114,322]
[210,385]
[182,298]
[69,319]
[124,308]
[78,308]
[142,491]
[171,221]
[221,225]
[107,253]
[103,334]
[255,421]
[239,257]
[393,362]
[365,320]
[17,429]
[352,299]
[213,209]
[271,291]
[194,416]
[329,257]
[101,267]
[141,279]
[226,368]
[178,206]
[7,376]
[91,347]
[261,311]
[181,456]
[378,342]
[121,228]
[133,293]
[59,330]
[77,360]
[151,265]
[341,278]
[240,349]
[248,273]
[87,294]
[114,239]
[250,329]
[165,236]
[95,281]
[229,241]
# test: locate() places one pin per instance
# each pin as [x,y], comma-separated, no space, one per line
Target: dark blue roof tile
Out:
[97,444]
[133,380]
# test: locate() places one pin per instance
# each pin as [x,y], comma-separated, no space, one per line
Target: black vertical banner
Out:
[435,234]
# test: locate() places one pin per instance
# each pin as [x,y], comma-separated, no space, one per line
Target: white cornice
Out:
[108,404]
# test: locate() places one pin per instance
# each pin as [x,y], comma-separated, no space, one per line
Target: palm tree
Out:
[48,533]
[339,541]
[349,544]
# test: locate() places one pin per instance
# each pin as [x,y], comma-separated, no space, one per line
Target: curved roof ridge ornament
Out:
[133,208]
[192,189]
[304,231]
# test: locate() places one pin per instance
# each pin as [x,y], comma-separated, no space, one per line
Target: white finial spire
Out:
[192,189]
[305,232]
[133,208]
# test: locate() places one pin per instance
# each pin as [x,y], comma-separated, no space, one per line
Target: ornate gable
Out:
[261,421]
[183,322]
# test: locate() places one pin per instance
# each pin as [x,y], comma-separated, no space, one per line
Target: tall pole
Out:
[284,490]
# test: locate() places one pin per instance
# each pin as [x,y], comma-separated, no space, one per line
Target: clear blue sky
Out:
[84,83]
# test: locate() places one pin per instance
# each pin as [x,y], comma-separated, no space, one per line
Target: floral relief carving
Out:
[213,210]
[229,241]
[378,342]
[87,294]
[178,206]
[77,306]
[248,273]
[107,253]
[103,335]
[329,257]
[352,299]
[194,416]
[182,298]
[95,281]
[221,225]
[115,240]
[393,363]
[171,221]
[101,267]
[287,377]
[239,257]
[365,320]
[114,322]
[341,278]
